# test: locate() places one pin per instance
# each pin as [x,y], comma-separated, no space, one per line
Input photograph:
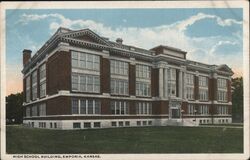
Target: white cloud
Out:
[217,45]
[182,25]
[202,49]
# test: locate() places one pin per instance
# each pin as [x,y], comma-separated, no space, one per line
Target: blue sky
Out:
[211,36]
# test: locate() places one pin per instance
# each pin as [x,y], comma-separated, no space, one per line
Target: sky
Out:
[212,36]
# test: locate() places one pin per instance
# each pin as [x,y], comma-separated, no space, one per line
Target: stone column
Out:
[184,85]
[166,82]
[180,84]
[160,82]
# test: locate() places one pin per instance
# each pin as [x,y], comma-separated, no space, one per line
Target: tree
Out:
[237,99]
[14,109]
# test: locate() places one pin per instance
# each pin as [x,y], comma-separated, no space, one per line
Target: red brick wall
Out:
[26,56]
[105,75]
[105,106]
[155,82]
[210,89]
[132,107]
[160,107]
[59,106]
[196,87]
[58,72]
[184,107]
[132,79]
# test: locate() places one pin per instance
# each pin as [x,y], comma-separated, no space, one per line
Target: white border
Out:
[138,4]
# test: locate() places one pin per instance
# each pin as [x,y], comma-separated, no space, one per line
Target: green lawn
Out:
[21,140]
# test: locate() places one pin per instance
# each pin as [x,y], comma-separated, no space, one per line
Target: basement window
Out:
[127,123]
[97,124]
[76,125]
[87,125]
[138,123]
[113,124]
[150,123]
[120,124]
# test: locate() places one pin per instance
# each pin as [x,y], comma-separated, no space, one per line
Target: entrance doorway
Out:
[175,113]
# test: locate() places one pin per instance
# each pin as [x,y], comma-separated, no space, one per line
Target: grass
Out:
[21,140]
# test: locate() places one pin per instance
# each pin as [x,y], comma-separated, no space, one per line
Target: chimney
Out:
[26,56]
[119,40]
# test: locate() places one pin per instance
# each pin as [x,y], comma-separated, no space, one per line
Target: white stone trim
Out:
[180,84]
[200,102]
[85,71]
[120,59]
[166,82]
[161,82]
[143,80]
[116,76]
[67,93]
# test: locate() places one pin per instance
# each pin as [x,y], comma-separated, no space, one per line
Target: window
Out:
[43,89]
[203,81]
[119,107]
[222,83]
[222,95]
[87,125]
[42,124]
[144,108]
[190,86]
[222,90]
[222,110]
[172,82]
[150,123]
[143,89]
[144,123]
[127,123]
[191,109]
[86,106]
[85,83]
[119,86]
[75,106]
[113,124]
[28,89]
[43,80]
[118,67]
[42,109]
[97,124]
[203,94]
[51,125]
[120,124]
[55,125]
[190,79]
[34,85]
[34,110]
[138,123]
[76,125]
[85,61]
[27,111]
[203,110]
[143,71]
[203,88]
[190,93]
